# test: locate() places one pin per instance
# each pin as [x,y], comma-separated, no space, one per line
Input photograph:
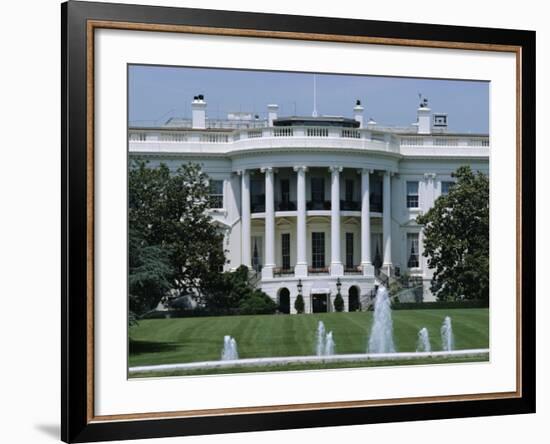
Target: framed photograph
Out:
[275,221]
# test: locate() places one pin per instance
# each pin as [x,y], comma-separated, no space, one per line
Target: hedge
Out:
[474,303]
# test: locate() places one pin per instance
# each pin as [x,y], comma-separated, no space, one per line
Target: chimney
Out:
[358,113]
[198,107]
[424,118]
[272,113]
[371,123]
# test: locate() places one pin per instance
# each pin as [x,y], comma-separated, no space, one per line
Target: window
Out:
[412,194]
[285,191]
[446,187]
[216,194]
[349,250]
[440,120]
[318,250]
[257,254]
[349,190]
[285,247]
[376,187]
[257,195]
[412,250]
[317,189]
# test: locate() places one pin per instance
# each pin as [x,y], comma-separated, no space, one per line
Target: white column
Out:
[245,218]
[386,215]
[300,270]
[366,263]
[267,270]
[336,266]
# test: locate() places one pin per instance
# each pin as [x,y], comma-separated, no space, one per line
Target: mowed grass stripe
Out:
[180,340]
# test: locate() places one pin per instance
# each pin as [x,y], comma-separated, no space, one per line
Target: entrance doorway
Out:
[353,299]
[284,301]
[319,303]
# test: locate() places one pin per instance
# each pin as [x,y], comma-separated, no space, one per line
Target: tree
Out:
[456,238]
[149,275]
[231,293]
[169,211]
[339,302]
[299,304]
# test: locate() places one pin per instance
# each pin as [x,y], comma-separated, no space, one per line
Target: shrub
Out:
[257,302]
[299,304]
[472,303]
[339,303]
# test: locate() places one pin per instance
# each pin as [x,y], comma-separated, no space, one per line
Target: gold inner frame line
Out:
[92,25]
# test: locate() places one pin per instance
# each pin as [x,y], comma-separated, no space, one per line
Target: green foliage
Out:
[169,212]
[149,275]
[231,293]
[339,303]
[441,305]
[299,304]
[175,250]
[456,238]
[395,287]
[257,302]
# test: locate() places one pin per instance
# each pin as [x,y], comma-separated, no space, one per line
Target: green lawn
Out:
[179,340]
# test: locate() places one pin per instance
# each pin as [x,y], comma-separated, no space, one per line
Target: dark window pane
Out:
[285,246]
[318,250]
[349,250]
[349,190]
[317,189]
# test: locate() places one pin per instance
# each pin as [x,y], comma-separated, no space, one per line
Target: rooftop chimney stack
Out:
[424,117]
[272,113]
[371,124]
[198,107]
[358,113]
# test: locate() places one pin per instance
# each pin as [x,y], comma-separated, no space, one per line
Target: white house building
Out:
[321,204]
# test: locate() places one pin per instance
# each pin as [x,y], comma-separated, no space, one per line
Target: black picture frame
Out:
[77,425]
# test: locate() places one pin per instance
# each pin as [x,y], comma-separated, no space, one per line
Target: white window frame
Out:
[417,195]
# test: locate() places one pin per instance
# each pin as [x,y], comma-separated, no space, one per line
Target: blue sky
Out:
[157,93]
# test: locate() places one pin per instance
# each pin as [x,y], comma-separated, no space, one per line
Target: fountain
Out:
[329,344]
[320,339]
[325,342]
[381,335]
[423,344]
[447,338]
[229,352]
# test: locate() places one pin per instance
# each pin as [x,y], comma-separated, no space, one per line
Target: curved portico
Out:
[295,196]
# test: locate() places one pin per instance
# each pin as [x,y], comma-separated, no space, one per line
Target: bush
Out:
[257,302]
[473,303]
[339,303]
[299,304]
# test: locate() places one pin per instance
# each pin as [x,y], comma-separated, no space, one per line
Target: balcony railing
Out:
[168,135]
[318,205]
[356,269]
[257,205]
[376,203]
[350,205]
[378,138]
[317,270]
[283,271]
[285,206]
